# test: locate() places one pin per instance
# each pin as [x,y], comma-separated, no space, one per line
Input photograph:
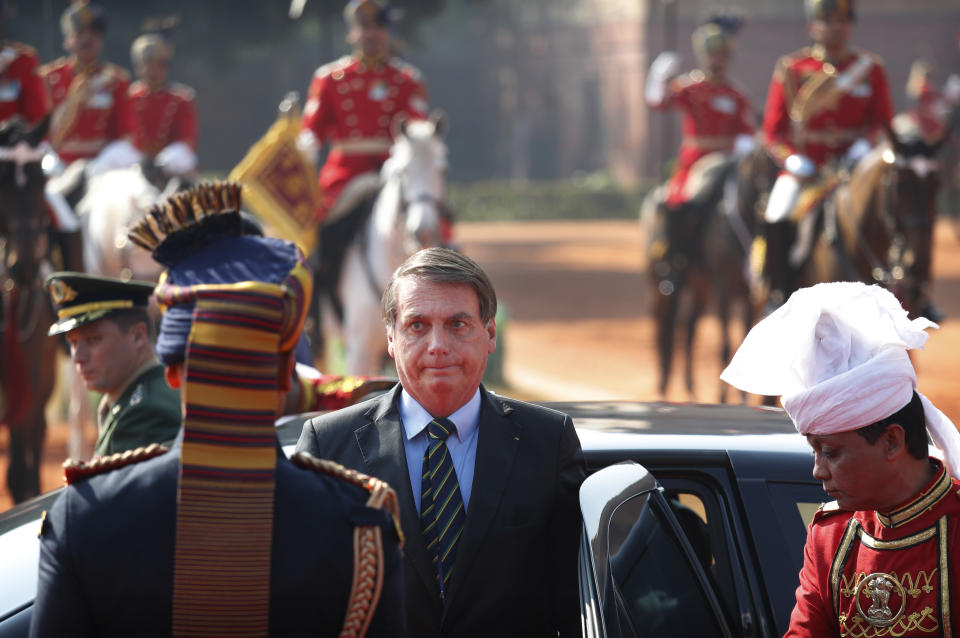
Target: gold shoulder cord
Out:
[368,563]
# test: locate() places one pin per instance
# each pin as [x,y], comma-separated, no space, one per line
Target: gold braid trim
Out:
[185,209]
[367,543]
[74,470]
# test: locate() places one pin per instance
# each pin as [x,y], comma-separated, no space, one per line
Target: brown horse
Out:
[697,253]
[878,227]
[29,355]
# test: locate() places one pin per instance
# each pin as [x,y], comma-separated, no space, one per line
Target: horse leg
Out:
[723,315]
[698,305]
[665,315]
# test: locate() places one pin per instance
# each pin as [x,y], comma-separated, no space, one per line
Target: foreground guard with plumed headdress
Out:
[882,559]
[204,539]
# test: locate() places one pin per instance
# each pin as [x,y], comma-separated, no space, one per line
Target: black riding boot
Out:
[777,271]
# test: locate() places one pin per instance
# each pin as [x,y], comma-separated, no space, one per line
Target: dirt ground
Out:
[577,328]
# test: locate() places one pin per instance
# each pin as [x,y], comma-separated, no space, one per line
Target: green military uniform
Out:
[147,412]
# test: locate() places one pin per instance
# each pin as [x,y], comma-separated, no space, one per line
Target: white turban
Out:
[836,353]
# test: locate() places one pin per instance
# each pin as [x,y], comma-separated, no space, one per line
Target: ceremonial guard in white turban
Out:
[882,558]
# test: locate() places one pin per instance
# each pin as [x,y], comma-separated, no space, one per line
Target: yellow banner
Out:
[280,185]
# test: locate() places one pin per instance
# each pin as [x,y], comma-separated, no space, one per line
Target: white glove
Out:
[743,145]
[116,154]
[308,145]
[665,66]
[800,166]
[176,159]
[858,149]
[51,163]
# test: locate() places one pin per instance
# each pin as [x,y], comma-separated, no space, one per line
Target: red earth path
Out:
[577,297]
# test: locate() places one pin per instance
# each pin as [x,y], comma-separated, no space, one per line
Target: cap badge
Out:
[61,292]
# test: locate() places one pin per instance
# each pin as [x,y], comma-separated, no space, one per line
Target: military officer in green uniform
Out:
[110,333]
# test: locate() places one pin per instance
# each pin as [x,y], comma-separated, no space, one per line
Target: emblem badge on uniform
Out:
[137,395]
[378,91]
[61,292]
[880,590]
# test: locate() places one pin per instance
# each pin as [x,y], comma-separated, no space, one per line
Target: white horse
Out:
[405,218]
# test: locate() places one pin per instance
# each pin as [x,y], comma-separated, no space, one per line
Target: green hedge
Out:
[593,197]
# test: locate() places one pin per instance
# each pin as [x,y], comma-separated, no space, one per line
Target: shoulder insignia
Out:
[330,67]
[183,91]
[137,395]
[406,69]
[368,562]
[53,65]
[74,471]
[115,72]
[382,495]
[22,49]
[828,509]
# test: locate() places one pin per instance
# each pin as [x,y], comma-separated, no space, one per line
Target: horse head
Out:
[23,221]
[418,163]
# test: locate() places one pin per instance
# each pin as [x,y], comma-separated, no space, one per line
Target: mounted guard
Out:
[826,106]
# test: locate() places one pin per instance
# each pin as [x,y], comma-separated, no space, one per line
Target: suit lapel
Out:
[497,444]
[381,445]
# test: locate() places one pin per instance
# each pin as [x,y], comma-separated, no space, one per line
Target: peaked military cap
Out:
[79,299]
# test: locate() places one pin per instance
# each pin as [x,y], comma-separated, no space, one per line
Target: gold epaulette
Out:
[828,509]
[368,560]
[114,72]
[183,91]
[328,68]
[21,48]
[382,495]
[406,69]
[45,69]
[74,470]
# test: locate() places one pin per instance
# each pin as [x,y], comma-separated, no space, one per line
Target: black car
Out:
[694,521]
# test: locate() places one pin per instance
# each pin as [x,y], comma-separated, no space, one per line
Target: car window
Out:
[697,509]
[658,587]
[795,505]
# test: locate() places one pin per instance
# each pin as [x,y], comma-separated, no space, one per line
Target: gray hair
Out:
[441,265]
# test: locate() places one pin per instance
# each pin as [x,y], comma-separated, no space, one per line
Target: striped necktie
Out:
[442,514]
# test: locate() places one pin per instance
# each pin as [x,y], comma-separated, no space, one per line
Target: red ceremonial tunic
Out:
[22,90]
[817,109]
[104,118]
[714,113]
[871,574]
[162,117]
[351,105]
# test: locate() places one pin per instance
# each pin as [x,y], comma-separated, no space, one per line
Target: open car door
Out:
[639,574]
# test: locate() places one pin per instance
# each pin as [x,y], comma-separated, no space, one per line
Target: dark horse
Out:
[29,355]
[696,252]
[878,227]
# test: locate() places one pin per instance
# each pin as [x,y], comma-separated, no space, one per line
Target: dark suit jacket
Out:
[516,568]
[106,555]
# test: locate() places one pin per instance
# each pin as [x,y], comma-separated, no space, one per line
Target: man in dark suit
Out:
[199,540]
[487,485]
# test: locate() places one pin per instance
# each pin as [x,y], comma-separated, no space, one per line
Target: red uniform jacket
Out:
[714,113]
[22,90]
[162,117]
[104,118]
[817,109]
[350,106]
[893,574]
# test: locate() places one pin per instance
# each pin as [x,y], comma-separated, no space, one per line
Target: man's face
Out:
[105,355]
[439,343]
[371,38]
[853,471]
[85,43]
[153,72]
[833,32]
